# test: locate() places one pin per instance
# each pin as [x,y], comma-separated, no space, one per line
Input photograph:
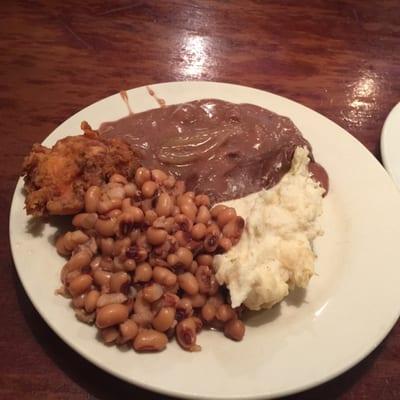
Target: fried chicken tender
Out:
[56,179]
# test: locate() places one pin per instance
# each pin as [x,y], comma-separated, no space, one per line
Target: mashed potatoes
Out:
[275,252]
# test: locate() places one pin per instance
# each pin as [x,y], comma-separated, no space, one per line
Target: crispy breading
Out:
[57,178]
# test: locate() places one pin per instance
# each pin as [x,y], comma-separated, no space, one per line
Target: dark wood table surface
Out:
[341,58]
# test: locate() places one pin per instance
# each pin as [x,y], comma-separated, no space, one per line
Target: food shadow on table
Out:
[104,386]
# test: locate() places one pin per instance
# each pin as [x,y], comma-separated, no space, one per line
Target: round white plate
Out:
[390,144]
[348,308]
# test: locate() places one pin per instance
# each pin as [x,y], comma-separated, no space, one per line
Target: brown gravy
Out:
[223,149]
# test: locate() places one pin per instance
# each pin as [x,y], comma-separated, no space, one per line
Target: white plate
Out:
[312,337]
[390,144]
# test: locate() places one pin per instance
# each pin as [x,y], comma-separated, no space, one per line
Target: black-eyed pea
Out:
[172,260]
[225,243]
[129,265]
[185,257]
[205,259]
[114,213]
[173,289]
[167,223]
[184,223]
[134,235]
[170,299]
[158,175]
[120,246]
[234,329]
[80,284]
[146,205]
[142,307]
[142,175]
[191,195]
[79,301]
[111,298]
[164,319]
[139,252]
[206,280]
[128,330]
[150,340]
[78,237]
[91,300]
[111,314]
[106,227]
[69,243]
[119,263]
[149,189]
[217,209]
[126,223]
[92,198]
[130,189]
[203,215]
[102,278]
[198,300]
[61,248]
[68,277]
[233,229]
[118,178]
[179,188]
[85,220]
[213,229]
[208,312]
[142,320]
[225,313]
[95,263]
[182,238]
[79,260]
[184,308]
[143,272]
[216,300]
[116,191]
[169,183]
[164,205]
[107,246]
[225,215]
[137,213]
[119,282]
[182,198]
[188,283]
[156,236]
[198,323]
[175,211]
[152,292]
[126,203]
[109,335]
[189,209]
[107,263]
[186,334]
[105,206]
[149,217]
[83,316]
[210,242]
[202,200]
[193,267]
[199,231]
[164,276]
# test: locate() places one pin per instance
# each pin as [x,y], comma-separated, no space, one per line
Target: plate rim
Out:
[385,138]
[70,342]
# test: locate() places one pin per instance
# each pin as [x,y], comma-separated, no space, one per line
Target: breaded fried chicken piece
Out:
[57,178]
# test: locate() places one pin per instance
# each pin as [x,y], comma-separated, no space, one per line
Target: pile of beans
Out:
[140,262]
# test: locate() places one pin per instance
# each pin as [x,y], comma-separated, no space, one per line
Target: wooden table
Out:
[341,58]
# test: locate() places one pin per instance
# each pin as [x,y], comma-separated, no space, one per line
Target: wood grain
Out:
[341,58]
